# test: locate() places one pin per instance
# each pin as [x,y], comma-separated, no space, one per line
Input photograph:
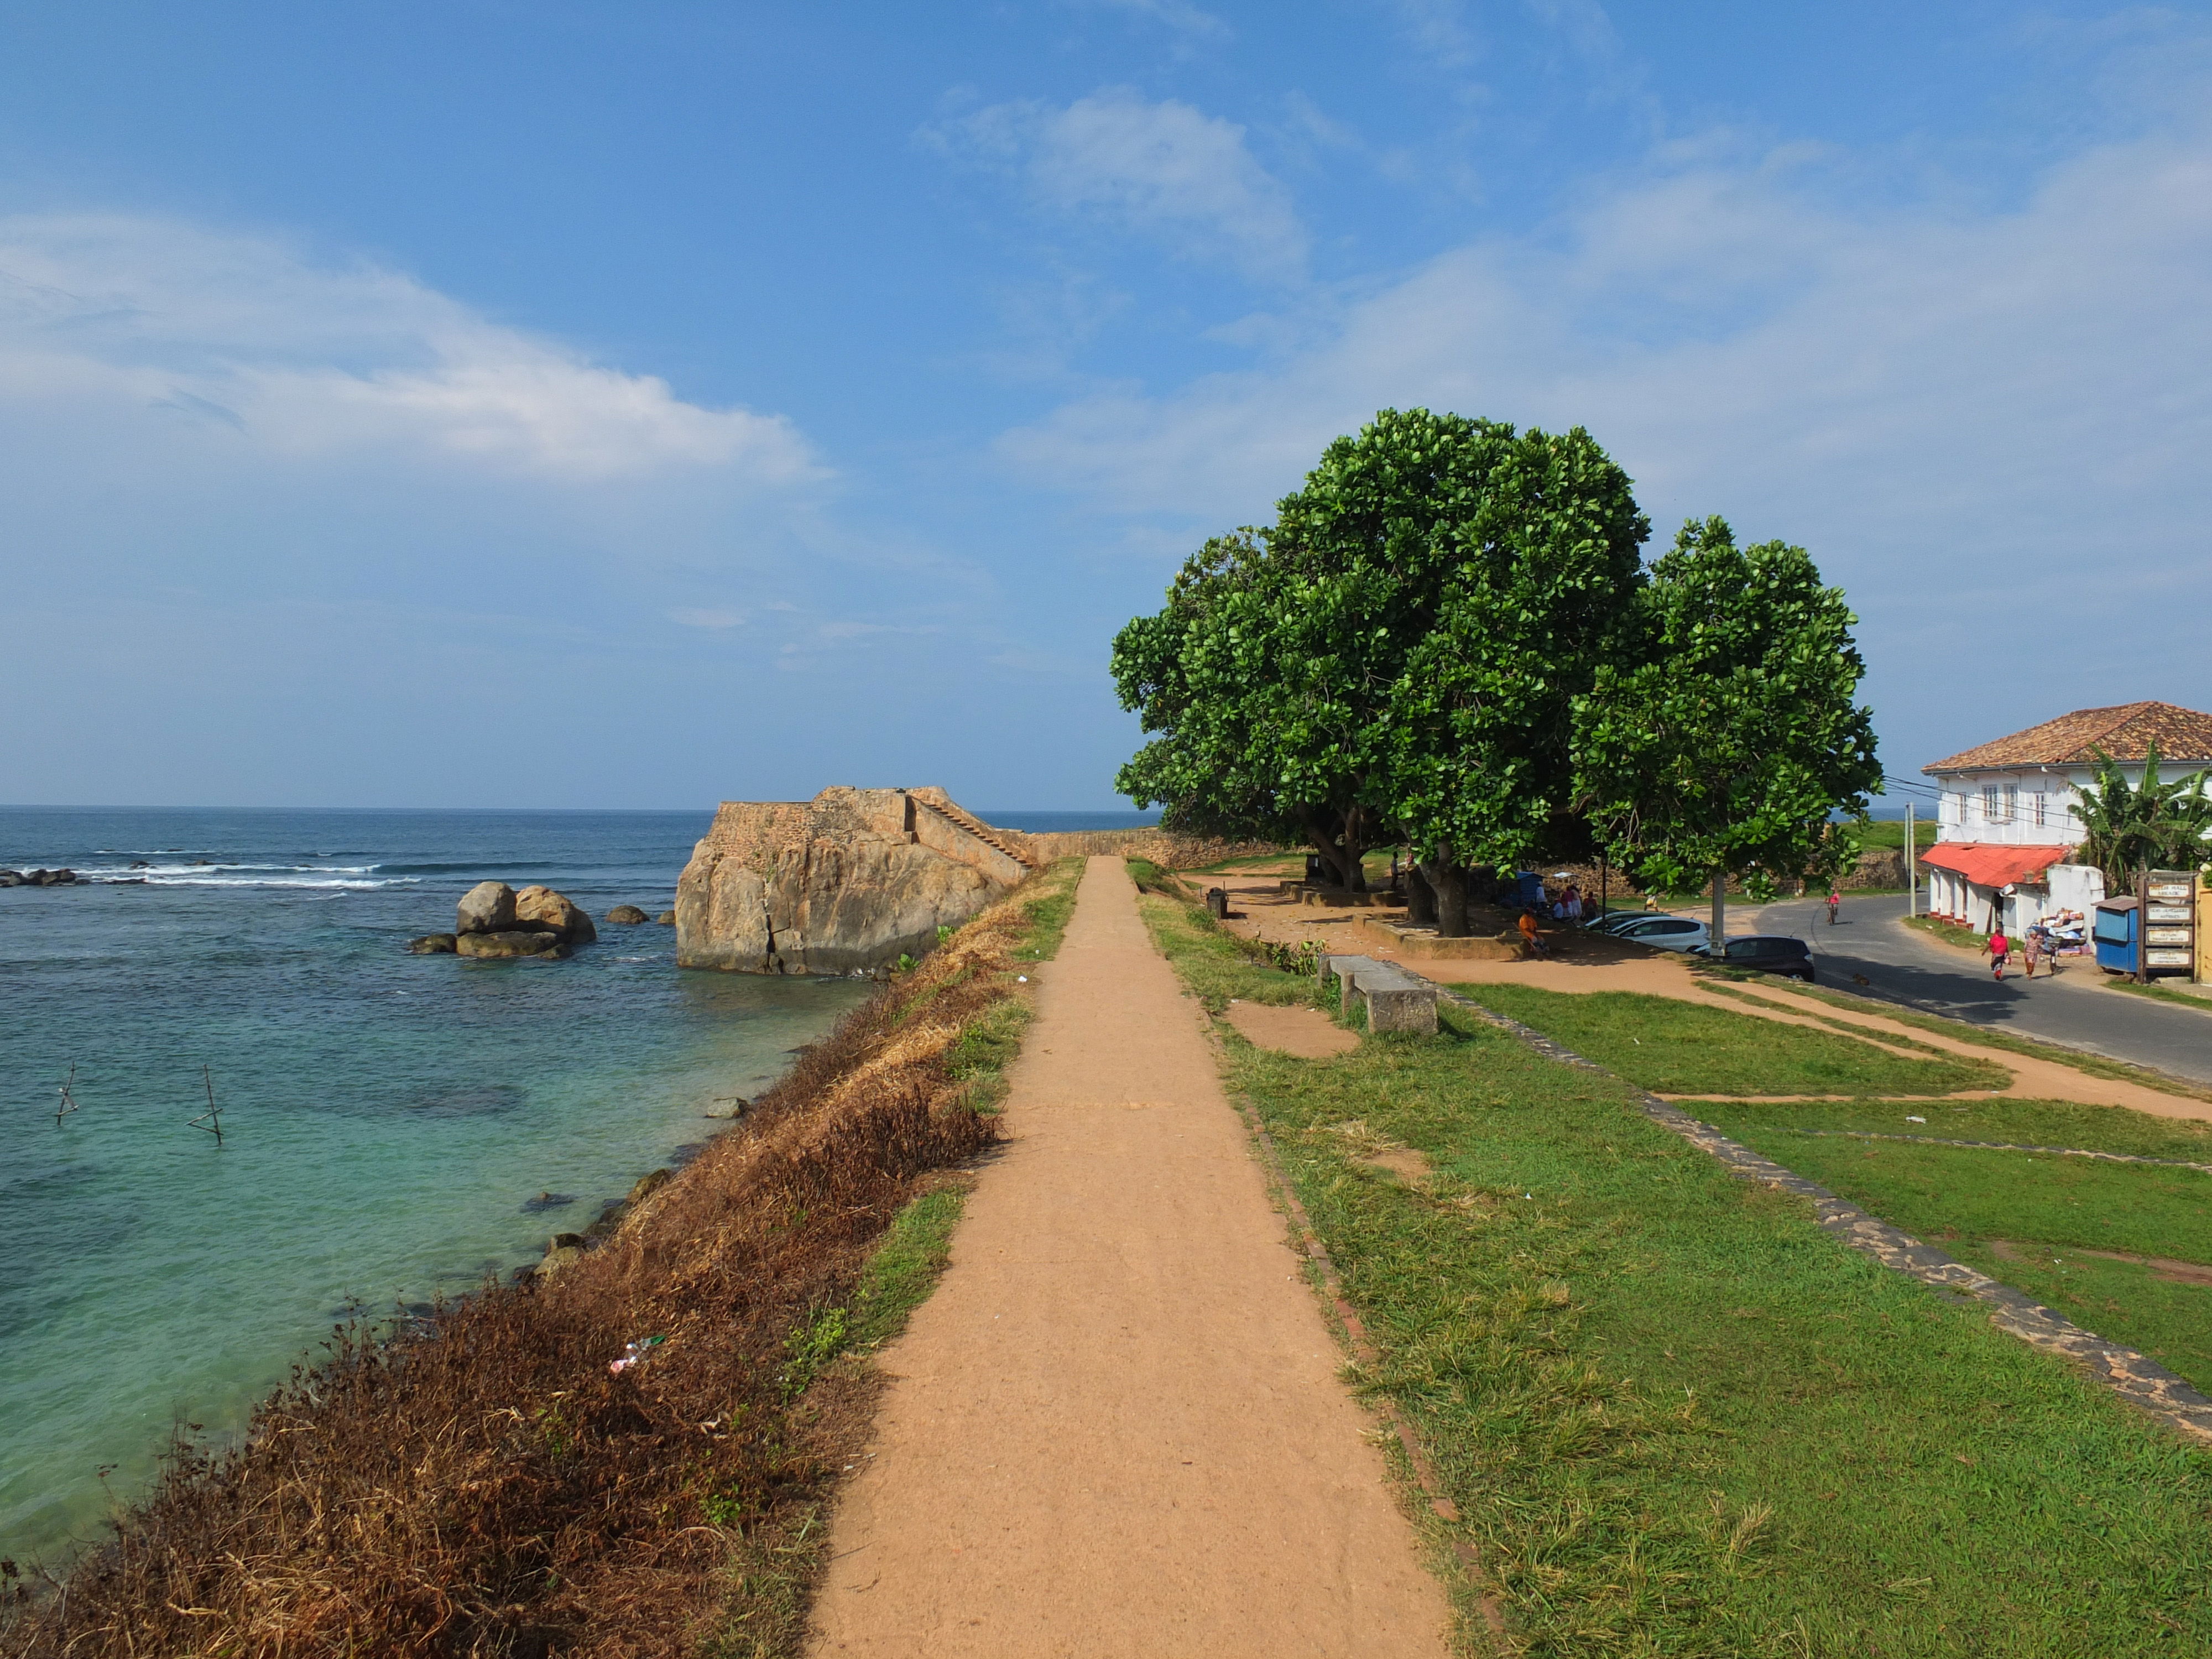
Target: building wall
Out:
[2030,805]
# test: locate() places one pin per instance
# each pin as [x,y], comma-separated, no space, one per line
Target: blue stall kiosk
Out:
[2115,933]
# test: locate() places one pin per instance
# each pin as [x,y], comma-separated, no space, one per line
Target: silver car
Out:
[1666,932]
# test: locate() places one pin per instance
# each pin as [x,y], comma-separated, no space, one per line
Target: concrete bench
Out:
[1396,1001]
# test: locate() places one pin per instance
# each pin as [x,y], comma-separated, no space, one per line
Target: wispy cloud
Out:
[1165,171]
[1186,21]
[306,359]
[1994,414]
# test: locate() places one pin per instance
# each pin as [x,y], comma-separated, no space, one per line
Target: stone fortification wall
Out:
[1171,851]
[846,882]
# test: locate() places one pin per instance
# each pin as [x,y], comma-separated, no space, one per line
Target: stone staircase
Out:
[1010,843]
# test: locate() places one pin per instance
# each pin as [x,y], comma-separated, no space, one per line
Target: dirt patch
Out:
[1118,1427]
[1378,1152]
[1306,1033]
[2166,1267]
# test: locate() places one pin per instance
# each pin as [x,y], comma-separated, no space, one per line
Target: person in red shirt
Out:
[1998,949]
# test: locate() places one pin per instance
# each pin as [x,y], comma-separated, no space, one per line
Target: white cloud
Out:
[306,360]
[1165,171]
[1179,16]
[1990,424]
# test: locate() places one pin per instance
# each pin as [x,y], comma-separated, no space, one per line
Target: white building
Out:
[2007,816]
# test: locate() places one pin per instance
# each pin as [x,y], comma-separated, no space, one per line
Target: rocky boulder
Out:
[626,915]
[486,908]
[510,943]
[433,945]
[666,918]
[542,906]
[847,883]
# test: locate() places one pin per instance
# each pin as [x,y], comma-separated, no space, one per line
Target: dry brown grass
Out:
[482,1485]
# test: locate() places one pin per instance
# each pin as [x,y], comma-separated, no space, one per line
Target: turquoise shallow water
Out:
[387,1116]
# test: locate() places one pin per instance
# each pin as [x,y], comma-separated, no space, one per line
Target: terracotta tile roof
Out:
[1990,866]
[2125,733]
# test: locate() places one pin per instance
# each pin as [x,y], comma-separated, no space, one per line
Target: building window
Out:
[1989,803]
[2012,803]
[2041,806]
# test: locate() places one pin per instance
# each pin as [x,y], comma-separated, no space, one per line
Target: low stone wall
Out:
[1171,851]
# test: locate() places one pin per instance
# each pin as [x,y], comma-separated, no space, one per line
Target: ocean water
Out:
[388,1120]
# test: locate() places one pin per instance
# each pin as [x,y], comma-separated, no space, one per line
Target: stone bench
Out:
[1396,1001]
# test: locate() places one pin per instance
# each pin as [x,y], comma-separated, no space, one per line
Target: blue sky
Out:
[584,405]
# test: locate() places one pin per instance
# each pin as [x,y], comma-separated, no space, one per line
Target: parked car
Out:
[1613,920]
[1767,953]
[1667,932]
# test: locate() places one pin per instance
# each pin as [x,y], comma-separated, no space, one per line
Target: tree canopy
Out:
[1396,655]
[1448,640]
[1720,745]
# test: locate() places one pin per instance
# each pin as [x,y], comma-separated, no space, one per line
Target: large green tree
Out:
[1722,745]
[1397,655]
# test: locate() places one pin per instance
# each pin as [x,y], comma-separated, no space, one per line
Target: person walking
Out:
[1997,950]
[2033,947]
[1835,899]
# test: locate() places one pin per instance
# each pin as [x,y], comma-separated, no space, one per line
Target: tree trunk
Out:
[1719,909]
[1420,899]
[1355,870]
[1448,882]
[1320,829]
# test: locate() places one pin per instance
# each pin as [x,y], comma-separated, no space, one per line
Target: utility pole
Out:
[2142,925]
[1911,867]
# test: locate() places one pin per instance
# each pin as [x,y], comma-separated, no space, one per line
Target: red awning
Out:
[1987,865]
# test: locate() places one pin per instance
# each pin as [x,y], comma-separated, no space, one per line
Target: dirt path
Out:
[1116,1428]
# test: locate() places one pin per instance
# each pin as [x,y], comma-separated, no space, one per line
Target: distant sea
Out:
[387,1117]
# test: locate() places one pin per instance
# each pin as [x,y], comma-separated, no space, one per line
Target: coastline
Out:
[800,1191]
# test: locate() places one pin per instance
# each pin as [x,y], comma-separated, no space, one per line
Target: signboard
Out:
[2169,921]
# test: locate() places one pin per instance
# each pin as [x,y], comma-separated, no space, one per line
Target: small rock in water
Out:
[519,942]
[547,1201]
[486,908]
[728,1106]
[431,945]
[666,918]
[626,915]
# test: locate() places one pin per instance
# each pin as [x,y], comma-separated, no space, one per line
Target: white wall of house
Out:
[2027,806]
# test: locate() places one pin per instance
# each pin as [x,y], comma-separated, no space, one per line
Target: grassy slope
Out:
[1963,1198]
[1674,1047]
[1982,1036]
[1677,1417]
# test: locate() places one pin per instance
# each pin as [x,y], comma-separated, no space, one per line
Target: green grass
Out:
[1678,1047]
[1985,1036]
[1215,963]
[903,1271]
[1962,1199]
[1948,933]
[2161,994]
[1676,1417]
[1049,909]
[1887,834]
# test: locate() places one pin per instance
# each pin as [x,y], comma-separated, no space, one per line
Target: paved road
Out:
[1902,966]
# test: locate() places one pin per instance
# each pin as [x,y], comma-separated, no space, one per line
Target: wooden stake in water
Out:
[211,1119]
[68,1102]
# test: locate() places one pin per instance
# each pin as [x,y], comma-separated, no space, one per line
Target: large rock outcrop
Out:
[845,883]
